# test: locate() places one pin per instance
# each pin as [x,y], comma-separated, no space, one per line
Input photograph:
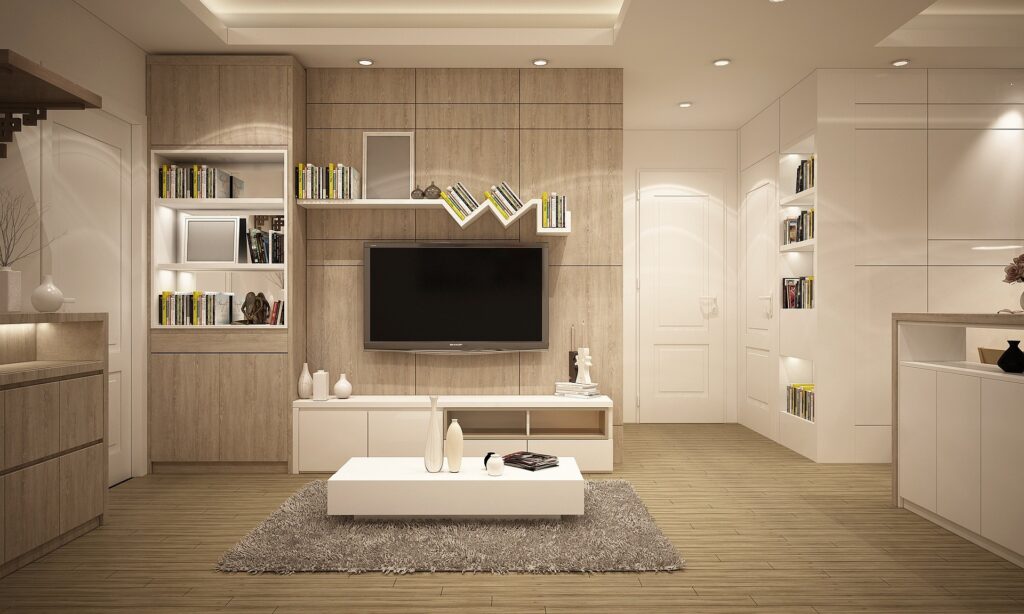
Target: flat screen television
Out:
[455,297]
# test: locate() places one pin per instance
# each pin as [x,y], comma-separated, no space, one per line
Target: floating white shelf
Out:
[800,246]
[800,199]
[222,204]
[214,266]
[339,204]
[218,327]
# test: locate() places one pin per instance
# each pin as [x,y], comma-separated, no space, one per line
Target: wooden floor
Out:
[762,530]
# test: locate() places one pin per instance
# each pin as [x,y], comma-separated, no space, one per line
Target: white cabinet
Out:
[958,449]
[917,436]
[327,439]
[590,455]
[397,433]
[1002,457]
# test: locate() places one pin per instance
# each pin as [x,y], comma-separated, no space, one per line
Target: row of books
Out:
[800,228]
[332,181]
[800,400]
[197,181]
[531,461]
[805,175]
[576,391]
[798,292]
[265,246]
[204,309]
[505,199]
[552,207]
[459,200]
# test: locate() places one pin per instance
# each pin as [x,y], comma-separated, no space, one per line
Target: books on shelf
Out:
[264,239]
[505,199]
[800,400]
[800,228]
[531,461]
[204,309]
[334,181]
[459,200]
[197,181]
[798,292]
[576,391]
[805,174]
[552,207]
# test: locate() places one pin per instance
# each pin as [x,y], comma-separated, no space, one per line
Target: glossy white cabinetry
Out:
[1002,459]
[329,438]
[958,449]
[917,436]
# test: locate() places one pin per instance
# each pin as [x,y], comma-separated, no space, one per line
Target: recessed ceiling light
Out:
[366,62]
[540,62]
[900,63]
[722,62]
[776,1]
[685,105]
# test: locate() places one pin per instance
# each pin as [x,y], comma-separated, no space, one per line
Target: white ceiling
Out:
[963,23]
[664,46]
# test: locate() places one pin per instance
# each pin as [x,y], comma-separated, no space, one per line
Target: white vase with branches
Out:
[18,223]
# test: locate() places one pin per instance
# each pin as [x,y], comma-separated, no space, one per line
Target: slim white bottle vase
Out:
[305,382]
[453,447]
[433,456]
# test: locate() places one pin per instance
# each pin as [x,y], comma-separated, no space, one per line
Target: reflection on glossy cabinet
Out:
[31,507]
[958,449]
[31,424]
[1002,456]
[254,412]
[183,407]
[917,436]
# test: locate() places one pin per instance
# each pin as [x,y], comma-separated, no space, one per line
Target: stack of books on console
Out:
[576,391]
[531,461]
[505,199]
[459,200]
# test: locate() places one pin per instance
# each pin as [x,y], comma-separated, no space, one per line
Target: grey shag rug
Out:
[616,533]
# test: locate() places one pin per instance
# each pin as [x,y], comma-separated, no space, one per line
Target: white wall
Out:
[675,149]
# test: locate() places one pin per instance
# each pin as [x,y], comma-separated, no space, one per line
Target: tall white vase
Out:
[433,455]
[10,290]
[453,447]
[305,382]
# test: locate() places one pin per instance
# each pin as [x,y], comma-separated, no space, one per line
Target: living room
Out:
[512,306]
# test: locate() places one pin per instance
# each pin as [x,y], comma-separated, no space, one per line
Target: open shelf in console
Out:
[488,423]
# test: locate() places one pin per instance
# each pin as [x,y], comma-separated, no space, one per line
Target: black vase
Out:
[1012,360]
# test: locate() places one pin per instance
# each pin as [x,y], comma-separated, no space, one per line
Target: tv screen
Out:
[455,297]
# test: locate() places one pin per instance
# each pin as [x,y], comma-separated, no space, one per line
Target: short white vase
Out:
[321,386]
[10,290]
[343,387]
[453,447]
[433,455]
[47,298]
[305,382]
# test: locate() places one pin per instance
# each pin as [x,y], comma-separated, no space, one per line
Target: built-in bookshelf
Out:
[239,193]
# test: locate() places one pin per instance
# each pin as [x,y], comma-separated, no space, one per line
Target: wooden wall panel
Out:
[571,85]
[365,116]
[18,343]
[467,85]
[586,166]
[477,158]
[572,116]
[360,85]
[254,412]
[184,106]
[254,105]
[469,374]
[467,115]
[183,400]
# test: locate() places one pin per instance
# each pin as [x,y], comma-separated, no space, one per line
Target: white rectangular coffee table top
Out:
[401,486]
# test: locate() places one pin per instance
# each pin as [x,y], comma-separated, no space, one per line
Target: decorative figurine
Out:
[417,193]
[432,191]
[583,363]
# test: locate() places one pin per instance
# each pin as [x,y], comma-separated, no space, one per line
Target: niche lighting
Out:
[995,248]
[722,62]
[685,104]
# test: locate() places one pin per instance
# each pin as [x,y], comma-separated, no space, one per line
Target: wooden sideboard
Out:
[53,424]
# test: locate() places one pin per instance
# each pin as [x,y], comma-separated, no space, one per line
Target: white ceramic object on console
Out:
[584,362]
[305,382]
[321,386]
[47,297]
[495,465]
[343,387]
[10,290]
[433,455]
[453,446]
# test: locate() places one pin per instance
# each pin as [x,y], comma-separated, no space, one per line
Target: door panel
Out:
[757,260]
[681,283]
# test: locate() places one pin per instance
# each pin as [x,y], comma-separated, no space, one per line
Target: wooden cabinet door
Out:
[81,486]
[254,407]
[31,423]
[31,507]
[81,411]
[183,407]
[184,104]
[255,105]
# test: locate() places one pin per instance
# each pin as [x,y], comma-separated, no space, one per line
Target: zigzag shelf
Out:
[370,204]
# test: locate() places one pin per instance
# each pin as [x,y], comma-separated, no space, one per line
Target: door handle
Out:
[709,304]
[771,304]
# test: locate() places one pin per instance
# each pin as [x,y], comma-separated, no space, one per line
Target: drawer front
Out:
[327,439]
[81,486]
[590,454]
[397,433]
[31,507]
[81,411]
[31,423]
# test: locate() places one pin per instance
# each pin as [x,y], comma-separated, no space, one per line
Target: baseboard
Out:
[967,534]
[214,467]
[39,551]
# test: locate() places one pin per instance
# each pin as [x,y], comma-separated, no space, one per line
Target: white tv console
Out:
[325,434]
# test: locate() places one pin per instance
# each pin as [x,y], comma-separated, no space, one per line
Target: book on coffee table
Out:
[531,461]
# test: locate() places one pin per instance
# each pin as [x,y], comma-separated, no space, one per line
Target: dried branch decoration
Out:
[18,222]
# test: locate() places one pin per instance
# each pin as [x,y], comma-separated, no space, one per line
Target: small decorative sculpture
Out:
[417,193]
[583,364]
[432,191]
[255,308]
[494,464]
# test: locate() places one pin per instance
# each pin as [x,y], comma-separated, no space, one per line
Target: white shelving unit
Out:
[799,246]
[265,173]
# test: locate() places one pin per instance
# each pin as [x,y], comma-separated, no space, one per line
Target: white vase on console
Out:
[343,387]
[433,455]
[305,382]
[321,386]
[453,447]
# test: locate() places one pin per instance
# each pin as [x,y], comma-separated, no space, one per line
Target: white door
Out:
[87,215]
[682,337]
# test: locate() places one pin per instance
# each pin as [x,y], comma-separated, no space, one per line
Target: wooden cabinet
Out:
[917,436]
[255,105]
[184,105]
[254,412]
[31,423]
[81,411]
[31,507]
[1002,456]
[184,392]
[81,486]
[958,449]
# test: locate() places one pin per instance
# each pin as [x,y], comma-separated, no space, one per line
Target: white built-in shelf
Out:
[370,204]
[521,401]
[799,246]
[796,417]
[193,205]
[215,266]
[367,401]
[800,199]
[962,367]
[218,326]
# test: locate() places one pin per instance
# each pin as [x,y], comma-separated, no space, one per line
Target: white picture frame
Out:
[381,160]
[205,239]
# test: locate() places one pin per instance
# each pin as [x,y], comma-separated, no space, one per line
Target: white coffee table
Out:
[389,486]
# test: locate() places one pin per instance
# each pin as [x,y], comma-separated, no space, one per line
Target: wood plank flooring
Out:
[762,529]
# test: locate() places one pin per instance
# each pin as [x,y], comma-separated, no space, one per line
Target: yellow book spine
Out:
[491,198]
[330,181]
[165,319]
[452,206]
